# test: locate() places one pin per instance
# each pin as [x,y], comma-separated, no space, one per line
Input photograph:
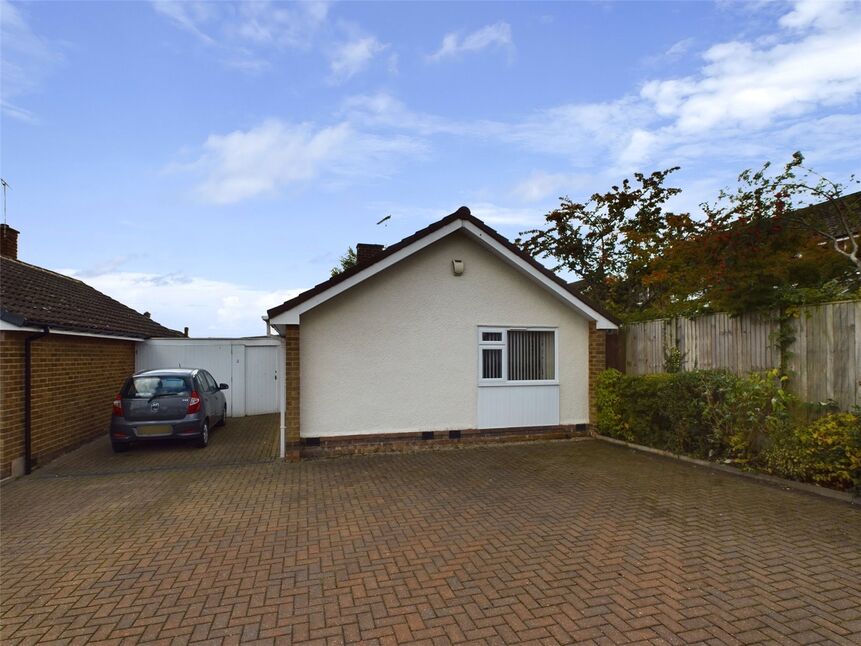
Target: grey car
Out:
[180,403]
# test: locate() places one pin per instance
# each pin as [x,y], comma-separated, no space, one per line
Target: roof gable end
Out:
[289,312]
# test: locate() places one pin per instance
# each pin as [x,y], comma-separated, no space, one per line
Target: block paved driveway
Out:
[556,542]
[243,440]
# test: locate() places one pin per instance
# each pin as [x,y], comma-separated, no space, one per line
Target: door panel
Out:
[261,385]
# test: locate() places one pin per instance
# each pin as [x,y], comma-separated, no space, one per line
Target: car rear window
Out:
[149,386]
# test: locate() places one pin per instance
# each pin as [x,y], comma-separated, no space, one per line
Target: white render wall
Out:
[399,353]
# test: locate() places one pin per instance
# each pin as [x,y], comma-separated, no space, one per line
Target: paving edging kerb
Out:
[842,496]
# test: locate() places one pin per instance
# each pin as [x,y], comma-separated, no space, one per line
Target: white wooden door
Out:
[261,384]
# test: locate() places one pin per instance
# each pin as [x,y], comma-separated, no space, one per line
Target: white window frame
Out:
[504,329]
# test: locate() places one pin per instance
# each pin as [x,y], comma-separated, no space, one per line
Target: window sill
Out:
[502,384]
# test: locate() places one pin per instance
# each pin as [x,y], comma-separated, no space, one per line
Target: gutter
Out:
[28,435]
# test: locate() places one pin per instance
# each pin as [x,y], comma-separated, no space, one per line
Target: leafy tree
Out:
[745,266]
[346,261]
[613,239]
[828,211]
[755,249]
[768,242]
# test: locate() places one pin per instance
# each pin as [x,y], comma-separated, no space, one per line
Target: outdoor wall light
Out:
[457,267]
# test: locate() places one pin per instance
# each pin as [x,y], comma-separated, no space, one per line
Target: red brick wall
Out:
[291,383]
[74,382]
[597,363]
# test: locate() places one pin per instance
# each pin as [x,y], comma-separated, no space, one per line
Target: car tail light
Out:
[118,406]
[194,402]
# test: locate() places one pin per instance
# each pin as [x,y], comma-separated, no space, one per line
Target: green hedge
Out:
[748,421]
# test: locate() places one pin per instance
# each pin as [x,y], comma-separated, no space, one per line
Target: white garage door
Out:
[249,366]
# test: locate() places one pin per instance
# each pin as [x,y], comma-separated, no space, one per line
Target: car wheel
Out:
[120,447]
[223,419]
[203,441]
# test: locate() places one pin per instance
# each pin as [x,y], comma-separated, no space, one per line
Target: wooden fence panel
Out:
[824,360]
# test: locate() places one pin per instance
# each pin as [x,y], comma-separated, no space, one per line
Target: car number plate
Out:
[158,429]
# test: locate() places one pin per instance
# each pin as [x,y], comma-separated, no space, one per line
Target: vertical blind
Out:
[491,363]
[531,355]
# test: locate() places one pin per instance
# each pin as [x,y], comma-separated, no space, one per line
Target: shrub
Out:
[746,420]
[744,411]
[826,452]
[708,414]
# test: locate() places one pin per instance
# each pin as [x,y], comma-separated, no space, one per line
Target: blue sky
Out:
[205,161]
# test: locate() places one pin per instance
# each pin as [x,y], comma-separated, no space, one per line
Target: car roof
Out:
[186,372]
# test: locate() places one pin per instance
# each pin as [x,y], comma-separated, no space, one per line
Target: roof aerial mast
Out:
[5,186]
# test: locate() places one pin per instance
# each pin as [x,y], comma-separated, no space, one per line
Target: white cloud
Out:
[497,215]
[243,33]
[679,48]
[207,307]
[540,185]
[382,110]
[672,54]
[351,57]
[276,154]
[821,13]
[453,44]
[744,84]
[579,131]
[191,16]
[278,24]
[27,59]
[742,101]
[750,99]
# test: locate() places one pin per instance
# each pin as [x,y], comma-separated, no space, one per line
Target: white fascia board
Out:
[291,316]
[5,326]
[601,322]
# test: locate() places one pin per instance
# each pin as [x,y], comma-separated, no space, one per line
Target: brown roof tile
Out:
[33,296]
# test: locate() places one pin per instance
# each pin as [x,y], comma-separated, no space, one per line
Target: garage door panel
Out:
[249,368]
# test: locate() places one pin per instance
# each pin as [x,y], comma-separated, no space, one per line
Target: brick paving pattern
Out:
[243,440]
[554,542]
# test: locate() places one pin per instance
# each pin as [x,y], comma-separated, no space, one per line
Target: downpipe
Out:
[28,391]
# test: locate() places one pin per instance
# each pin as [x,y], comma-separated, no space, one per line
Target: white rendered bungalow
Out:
[453,333]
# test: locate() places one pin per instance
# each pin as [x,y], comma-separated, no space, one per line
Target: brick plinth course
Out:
[553,542]
[395,442]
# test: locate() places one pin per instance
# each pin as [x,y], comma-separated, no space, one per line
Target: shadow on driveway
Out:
[243,440]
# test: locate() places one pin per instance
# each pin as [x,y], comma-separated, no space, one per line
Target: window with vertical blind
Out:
[516,355]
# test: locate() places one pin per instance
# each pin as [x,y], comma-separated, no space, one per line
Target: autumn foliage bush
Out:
[747,421]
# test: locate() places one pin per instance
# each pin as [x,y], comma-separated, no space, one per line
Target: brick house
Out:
[451,334]
[79,346]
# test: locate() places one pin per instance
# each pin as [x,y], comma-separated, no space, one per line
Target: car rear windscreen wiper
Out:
[157,395]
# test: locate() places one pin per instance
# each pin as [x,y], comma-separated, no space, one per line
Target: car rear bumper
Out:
[123,430]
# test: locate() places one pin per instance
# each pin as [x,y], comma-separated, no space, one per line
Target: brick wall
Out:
[291,383]
[597,363]
[11,399]
[74,382]
[432,440]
